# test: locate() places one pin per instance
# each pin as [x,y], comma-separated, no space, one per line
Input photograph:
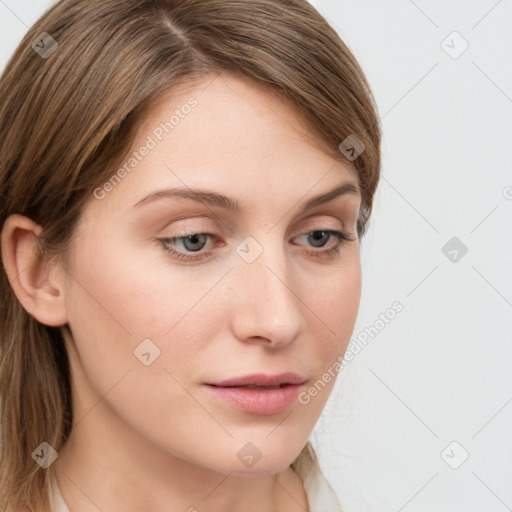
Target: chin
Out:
[262,469]
[276,461]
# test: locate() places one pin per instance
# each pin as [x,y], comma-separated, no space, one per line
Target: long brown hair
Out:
[71,98]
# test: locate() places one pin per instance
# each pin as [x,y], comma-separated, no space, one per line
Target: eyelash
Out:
[342,238]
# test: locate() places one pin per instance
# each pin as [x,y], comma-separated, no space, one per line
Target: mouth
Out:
[252,386]
[256,399]
[261,381]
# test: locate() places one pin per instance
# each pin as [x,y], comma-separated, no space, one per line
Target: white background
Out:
[441,370]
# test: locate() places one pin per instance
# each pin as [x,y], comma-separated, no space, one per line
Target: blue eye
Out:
[319,238]
[195,242]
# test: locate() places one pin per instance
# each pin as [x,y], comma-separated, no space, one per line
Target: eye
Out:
[194,243]
[319,237]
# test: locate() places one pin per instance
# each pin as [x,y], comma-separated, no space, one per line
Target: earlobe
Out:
[30,276]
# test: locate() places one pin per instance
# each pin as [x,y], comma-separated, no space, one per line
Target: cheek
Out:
[336,303]
[131,292]
[334,308]
[119,298]
[115,302]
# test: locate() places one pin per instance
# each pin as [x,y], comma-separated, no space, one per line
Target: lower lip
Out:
[258,401]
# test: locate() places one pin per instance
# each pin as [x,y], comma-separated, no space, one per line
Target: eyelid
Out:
[212,227]
[315,224]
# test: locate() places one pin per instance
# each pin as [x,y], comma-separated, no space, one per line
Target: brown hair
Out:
[67,117]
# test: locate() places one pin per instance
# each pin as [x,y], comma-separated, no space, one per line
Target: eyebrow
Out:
[220,201]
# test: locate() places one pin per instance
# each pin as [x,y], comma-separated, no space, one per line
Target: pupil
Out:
[315,238]
[194,239]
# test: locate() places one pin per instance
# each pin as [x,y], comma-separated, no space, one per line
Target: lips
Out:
[261,381]
[258,393]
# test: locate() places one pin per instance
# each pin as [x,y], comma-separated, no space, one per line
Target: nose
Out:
[266,305]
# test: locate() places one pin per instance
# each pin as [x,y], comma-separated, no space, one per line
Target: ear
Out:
[29,275]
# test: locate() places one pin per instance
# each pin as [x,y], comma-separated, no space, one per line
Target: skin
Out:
[145,437]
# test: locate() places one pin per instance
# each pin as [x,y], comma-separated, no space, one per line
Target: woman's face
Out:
[252,292]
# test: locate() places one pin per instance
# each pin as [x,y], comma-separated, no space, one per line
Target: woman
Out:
[185,185]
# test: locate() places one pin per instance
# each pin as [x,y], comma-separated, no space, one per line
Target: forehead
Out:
[228,134]
[234,105]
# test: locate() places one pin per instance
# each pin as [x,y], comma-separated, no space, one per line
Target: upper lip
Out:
[261,379]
